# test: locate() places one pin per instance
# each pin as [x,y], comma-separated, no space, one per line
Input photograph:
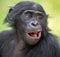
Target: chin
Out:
[33,37]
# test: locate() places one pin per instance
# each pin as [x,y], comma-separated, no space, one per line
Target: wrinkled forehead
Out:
[33,11]
[21,7]
[33,8]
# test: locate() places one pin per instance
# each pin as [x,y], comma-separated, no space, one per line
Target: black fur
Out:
[46,47]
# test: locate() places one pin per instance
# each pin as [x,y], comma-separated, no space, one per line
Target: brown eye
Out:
[29,14]
[39,16]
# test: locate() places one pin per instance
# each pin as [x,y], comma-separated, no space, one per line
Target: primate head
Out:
[30,21]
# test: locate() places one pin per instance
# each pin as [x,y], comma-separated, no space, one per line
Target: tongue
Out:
[34,35]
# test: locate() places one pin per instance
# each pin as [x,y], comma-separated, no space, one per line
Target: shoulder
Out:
[52,40]
[6,36]
[52,37]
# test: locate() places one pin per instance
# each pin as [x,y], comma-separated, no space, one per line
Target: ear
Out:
[47,28]
[11,8]
[47,16]
[9,17]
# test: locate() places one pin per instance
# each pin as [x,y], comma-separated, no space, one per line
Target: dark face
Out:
[29,18]
[31,25]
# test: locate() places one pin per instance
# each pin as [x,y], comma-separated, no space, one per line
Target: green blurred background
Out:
[52,8]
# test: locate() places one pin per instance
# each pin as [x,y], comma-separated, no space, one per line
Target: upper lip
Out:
[34,31]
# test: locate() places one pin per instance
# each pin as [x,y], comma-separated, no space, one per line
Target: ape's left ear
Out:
[47,15]
[9,17]
[47,28]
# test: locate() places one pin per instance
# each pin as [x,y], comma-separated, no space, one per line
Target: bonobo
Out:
[30,35]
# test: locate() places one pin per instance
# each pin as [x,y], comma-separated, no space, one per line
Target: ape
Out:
[30,35]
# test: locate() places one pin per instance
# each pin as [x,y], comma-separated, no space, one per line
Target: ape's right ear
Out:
[9,17]
[11,8]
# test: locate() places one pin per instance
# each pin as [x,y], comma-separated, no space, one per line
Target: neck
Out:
[20,42]
[21,45]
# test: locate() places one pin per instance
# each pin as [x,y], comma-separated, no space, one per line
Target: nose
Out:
[34,23]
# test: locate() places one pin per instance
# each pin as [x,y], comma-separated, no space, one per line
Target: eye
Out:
[39,16]
[29,14]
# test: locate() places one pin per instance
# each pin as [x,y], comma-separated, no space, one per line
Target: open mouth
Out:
[34,35]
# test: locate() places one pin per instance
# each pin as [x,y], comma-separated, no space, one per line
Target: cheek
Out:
[42,22]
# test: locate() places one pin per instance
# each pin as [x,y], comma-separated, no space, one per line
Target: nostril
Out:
[34,24]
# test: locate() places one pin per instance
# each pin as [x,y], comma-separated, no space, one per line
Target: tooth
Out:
[35,32]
